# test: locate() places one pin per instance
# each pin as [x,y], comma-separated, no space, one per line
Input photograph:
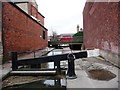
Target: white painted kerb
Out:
[93,53]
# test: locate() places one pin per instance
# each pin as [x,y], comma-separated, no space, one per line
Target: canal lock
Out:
[38,82]
[93,68]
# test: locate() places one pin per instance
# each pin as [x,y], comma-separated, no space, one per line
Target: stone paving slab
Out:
[5,73]
[80,81]
[84,81]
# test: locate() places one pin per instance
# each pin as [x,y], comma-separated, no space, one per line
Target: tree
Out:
[54,34]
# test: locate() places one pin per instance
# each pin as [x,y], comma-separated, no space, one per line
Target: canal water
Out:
[52,83]
[38,83]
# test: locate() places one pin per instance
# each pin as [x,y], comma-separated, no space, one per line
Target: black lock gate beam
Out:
[44,59]
[55,58]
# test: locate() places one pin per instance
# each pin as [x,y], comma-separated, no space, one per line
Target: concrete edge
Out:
[6,75]
[48,52]
[111,57]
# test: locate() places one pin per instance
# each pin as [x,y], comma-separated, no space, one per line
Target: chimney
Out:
[77,28]
[81,29]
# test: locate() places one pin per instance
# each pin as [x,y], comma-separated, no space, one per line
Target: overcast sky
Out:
[62,16]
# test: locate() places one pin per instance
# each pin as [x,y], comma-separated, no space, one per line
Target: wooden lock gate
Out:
[44,59]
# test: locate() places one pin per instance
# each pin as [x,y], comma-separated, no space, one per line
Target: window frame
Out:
[43,34]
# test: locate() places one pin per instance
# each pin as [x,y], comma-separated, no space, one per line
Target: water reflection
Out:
[41,85]
[51,83]
[55,52]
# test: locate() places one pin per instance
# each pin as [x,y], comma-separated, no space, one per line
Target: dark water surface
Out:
[41,85]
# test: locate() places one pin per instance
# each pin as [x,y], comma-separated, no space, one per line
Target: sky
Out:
[62,16]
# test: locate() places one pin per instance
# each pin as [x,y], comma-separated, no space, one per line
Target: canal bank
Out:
[35,82]
[105,75]
[94,73]
[7,67]
[83,69]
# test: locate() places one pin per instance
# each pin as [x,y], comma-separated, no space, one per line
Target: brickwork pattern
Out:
[36,14]
[1,48]
[101,26]
[21,33]
[34,11]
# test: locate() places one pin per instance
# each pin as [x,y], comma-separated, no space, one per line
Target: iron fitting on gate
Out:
[71,67]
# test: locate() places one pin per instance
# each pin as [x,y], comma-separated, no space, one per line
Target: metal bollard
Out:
[57,67]
[71,67]
[14,61]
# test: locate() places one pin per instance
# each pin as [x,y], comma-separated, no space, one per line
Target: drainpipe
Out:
[1,28]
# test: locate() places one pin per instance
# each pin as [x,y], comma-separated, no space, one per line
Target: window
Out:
[44,36]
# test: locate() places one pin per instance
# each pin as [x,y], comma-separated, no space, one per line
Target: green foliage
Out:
[80,33]
[78,37]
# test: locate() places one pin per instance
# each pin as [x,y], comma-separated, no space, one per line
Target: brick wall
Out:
[101,26]
[41,18]
[21,32]
[1,48]
[0,19]
[35,13]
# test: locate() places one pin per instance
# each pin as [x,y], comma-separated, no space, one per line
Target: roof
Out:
[27,15]
[34,3]
[67,34]
[23,1]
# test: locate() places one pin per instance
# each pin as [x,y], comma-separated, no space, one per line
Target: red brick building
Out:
[1,48]
[23,27]
[101,28]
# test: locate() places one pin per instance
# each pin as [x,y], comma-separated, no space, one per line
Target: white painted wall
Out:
[23,6]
